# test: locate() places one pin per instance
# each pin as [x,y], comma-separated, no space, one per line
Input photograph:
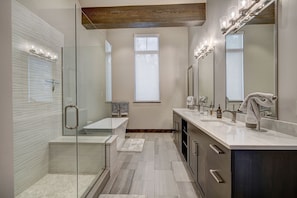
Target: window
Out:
[234,67]
[108,71]
[146,49]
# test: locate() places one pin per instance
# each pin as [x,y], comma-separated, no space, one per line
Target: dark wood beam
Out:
[267,16]
[173,15]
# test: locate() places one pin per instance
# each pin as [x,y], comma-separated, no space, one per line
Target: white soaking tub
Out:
[114,126]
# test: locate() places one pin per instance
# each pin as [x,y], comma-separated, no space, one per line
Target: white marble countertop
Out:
[236,136]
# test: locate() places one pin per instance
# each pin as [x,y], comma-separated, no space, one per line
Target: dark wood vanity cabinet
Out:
[223,173]
[218,170]
[264,173]
[177,124]
[198,156]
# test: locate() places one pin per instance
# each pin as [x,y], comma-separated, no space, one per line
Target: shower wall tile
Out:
[62,158]
[35,123]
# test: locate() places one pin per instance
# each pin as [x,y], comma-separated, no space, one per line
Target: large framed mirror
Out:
[190,79]
[251,60]
[206,78]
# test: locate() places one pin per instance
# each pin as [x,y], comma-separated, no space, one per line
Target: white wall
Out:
[211,30]
[287,47]
[6,123]
[173,68]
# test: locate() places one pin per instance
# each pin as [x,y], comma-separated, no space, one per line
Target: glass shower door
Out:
[44,87]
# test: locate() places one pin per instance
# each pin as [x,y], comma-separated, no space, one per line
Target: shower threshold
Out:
[58,186]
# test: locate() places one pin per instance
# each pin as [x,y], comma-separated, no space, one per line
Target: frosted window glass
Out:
[234,61]
[234,67]
[108,71]
[234,41]
[140,44]
[152,43]
[147,70]
[39,80]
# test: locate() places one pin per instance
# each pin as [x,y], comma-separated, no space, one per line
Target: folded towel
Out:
[190,100]
[203,99]
[252,103]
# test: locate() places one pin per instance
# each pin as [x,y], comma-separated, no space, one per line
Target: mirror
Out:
[190,79]
[206,78]
[251,59]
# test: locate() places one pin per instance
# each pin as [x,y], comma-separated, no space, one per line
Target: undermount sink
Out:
[219,122]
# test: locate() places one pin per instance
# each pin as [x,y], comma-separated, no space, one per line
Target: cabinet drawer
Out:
[218,155]
[218,171]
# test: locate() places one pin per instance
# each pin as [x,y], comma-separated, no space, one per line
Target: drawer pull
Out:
[216,176]
[216,149]
[195,148]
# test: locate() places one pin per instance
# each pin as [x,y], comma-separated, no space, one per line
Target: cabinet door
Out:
[177,131]
[193,162]
[199,142]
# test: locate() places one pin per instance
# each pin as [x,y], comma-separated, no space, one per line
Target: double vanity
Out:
[227,159]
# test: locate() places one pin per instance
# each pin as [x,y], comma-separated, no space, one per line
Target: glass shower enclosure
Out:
[59,87]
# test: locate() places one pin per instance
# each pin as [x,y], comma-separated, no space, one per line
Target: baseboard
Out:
[149,130]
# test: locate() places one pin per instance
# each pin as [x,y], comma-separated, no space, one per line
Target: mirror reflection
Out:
[190,78]
[251,60]
[206,79]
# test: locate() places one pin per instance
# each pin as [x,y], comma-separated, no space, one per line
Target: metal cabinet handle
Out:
[76,110]
[195,149]
[216,149]
[216,176]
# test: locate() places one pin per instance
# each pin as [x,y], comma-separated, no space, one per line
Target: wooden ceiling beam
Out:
[173,15]
[267,16]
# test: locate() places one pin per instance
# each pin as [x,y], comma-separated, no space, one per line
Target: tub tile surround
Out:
[35,123]
[62,158]
[238,136]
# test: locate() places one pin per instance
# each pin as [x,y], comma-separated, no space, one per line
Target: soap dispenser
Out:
[219,112]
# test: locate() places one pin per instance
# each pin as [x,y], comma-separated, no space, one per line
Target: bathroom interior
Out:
[64,77]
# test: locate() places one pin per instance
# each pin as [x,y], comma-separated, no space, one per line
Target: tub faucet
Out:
[233,112]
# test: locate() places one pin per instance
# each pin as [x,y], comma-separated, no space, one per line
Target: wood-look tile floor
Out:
[157,172]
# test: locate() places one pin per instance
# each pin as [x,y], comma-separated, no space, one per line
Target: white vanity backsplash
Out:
[288,128]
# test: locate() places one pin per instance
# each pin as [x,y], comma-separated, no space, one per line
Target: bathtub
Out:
[111,126]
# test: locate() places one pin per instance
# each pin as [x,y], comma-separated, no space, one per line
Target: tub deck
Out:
[106,123]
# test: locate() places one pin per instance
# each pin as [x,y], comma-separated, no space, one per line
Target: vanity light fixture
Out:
[205,48]
[239,15]
[43,53]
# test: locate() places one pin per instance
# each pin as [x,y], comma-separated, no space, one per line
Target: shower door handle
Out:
[76,113]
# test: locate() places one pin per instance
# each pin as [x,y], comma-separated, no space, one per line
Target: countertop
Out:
[236,136]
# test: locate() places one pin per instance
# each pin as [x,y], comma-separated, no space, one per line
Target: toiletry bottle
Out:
[210,108]
[219,112]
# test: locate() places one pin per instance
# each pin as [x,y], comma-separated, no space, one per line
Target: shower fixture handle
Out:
[76,111]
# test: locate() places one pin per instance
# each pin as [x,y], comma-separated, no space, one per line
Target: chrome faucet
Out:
[233,112]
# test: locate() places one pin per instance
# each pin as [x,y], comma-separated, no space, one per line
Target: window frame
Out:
[144,52]
[236,50]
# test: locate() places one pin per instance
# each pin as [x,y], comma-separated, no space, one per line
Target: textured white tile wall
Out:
[35,123]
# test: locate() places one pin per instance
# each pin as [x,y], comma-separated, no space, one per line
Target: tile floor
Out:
[157,172]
